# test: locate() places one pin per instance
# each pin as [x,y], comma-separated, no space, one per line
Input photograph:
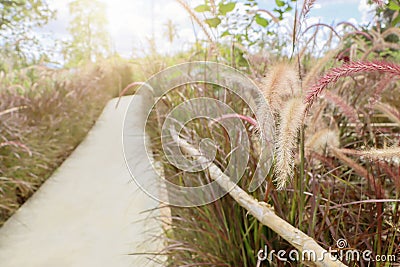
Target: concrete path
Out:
[90,212]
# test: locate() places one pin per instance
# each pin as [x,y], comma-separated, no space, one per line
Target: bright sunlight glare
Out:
[133,23]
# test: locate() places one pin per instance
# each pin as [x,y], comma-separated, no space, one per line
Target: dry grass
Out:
[44,114]
[338,164]
[281,83]
[291,120]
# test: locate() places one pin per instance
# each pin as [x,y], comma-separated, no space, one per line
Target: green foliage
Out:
[22,15]
[280,3]
[388,14]
[202,8]
[283,7]
[261,21]
[213,22]
[245,24]
[226,8]
[394,5]
[90,41]
[17,19]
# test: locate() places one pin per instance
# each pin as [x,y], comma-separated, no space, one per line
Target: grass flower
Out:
[291,120]
[347,70]
[282,82]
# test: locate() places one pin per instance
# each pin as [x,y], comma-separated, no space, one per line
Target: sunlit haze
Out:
[131,23]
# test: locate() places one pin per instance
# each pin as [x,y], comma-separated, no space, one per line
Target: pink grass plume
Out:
[346,70]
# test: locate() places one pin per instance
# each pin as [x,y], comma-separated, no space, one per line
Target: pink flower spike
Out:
[346,70]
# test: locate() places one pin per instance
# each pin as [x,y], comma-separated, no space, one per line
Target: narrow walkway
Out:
[90,212]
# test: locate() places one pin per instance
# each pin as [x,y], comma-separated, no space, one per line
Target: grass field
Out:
[333,104]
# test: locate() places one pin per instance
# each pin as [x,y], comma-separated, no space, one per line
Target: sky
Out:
[132,22]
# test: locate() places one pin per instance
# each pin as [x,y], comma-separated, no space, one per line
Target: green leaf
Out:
[225,33]
[288,9]
[261,21]
[202,8]
[393,6]
[213,23]
[225,8]
[396,21]
[280,12]
[280,3]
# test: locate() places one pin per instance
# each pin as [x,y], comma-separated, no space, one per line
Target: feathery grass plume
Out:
[348,111]
[281,83]
[307,5]
[325,138]
[291,120]
[391,154]
[392,113]
[346,70]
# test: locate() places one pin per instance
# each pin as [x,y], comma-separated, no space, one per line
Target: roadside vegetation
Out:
[333,92]
[335,105]
[46,111]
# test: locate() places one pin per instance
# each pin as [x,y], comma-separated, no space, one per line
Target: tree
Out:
[90,39]
[17,15]
[17,20]
[388,14]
